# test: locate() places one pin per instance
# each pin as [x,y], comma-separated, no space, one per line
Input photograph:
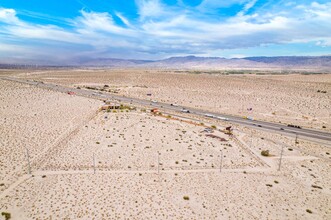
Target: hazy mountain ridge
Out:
[194,62]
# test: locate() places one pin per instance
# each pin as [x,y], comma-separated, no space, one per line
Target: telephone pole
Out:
[94,164]
[281,156]
[221,161]
[296,138]
[28,158]
[158,163]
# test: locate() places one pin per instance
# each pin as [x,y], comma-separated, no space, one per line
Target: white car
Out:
[209,115]
[222,118]
[154,101]
[185,111]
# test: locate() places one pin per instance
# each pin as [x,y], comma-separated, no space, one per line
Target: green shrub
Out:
[213,127]
[7,215]
[265,153]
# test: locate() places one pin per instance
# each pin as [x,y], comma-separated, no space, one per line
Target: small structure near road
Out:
[228,130]
[208,130]
[110,106]
[216,137]
[154,110]
[71,93]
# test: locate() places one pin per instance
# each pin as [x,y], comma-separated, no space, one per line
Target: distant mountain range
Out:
[322,63]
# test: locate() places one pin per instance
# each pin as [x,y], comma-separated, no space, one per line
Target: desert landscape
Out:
[285,98]
[165,109]
[65,157]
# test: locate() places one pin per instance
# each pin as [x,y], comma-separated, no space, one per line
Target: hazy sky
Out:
[61,30]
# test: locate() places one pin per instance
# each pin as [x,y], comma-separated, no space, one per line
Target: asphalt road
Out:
[275,127]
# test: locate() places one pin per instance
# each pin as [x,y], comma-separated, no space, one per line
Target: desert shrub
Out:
[265,153]
[316,187]
[213,126]
[309,211]
[97,142]
[7,215]
[186,198]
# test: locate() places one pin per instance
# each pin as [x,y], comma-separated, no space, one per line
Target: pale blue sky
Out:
[62,30]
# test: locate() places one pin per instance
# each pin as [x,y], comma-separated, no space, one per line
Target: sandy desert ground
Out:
[34,119]
[90,164]
[277,98]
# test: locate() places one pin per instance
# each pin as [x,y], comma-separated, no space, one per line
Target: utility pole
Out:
[281,156]
[296,138]
[251,138]
[221,161]
[28,157]
[158,163]
[93,163]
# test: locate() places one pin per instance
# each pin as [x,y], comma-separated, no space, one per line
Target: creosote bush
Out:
[7,215]
[186,198]
[265,153]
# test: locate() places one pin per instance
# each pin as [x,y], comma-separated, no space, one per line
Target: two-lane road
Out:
[274,127]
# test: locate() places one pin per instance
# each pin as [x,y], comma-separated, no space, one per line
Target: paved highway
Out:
[275,127]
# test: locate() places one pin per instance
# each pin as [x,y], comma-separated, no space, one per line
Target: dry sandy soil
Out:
[34,119]
[277,98]
[69,140]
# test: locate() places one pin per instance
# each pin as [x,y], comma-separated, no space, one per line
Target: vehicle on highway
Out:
[154,101]
[185,111]
[293,126]
[250,118]
[222,118]
[259,126]
[209,115]
[174,105]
